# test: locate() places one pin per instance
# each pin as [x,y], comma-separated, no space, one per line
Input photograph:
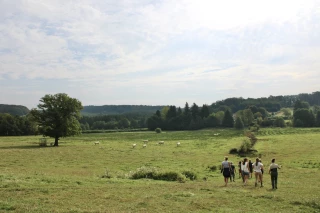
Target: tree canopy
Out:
[57,116]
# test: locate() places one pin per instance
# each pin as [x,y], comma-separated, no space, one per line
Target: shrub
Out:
[153,173]
[266,122]
[106,174]
[252,137]
[212,168]
[298,123]
[158,130]
[144,172]
[189,174]
[233,151]
[245,146]
[254,127]
[289,123]
[279,122]
[170,176]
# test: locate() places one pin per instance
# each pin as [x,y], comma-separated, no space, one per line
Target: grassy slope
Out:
[68,178]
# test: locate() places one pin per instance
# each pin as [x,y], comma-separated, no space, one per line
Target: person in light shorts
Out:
[245,170]
[258,168]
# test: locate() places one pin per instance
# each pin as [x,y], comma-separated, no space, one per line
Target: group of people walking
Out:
[245,170]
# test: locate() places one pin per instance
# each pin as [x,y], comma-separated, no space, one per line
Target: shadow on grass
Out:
[26,147]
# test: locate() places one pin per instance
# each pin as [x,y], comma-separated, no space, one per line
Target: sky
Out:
[157,52]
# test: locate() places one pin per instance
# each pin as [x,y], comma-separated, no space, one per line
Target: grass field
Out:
[72,177]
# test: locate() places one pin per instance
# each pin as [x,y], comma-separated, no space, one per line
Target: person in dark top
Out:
[262,165]
[273,171]
[240,171]
[250,168]
[232,172]
[225,169]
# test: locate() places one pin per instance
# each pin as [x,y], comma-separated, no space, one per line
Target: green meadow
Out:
[79,176]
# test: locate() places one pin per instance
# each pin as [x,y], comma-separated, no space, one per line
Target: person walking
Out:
[245,170]
[257,168]
[232,172]
[250,168]
[273,171]
[262,170]
[225,169]
[240,171]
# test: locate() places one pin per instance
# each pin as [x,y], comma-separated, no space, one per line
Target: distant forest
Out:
[118,109]
[271,104]
[301,110]
[14,109]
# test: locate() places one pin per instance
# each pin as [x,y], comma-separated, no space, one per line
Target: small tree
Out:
[247,117]
[57,116]
[194,110]
[239,123]
[123,123]
[245,146]
[227,120]
[158,130]
[286,111]
[205,111]
[219,115]
[279,122]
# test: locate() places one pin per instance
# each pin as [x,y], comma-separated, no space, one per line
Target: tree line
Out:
[14,125]
[118,109]
[195,117]
[232,112]
[271,103]
[124,121]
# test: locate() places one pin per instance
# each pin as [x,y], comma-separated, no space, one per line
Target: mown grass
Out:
[79,176]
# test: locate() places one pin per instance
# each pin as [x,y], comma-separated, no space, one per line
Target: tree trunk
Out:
[56,139]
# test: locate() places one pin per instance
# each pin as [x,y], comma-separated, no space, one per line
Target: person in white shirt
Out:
[258,168]
[245,170]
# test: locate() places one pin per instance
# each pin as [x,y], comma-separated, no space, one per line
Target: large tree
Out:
[300,105]
[227,120]
[303,116]
[172,112]
[58,115]
[194,110]
[205,111]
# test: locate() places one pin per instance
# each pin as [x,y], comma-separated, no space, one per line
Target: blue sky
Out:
[157,52]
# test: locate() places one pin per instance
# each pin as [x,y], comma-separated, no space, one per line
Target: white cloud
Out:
[165,45]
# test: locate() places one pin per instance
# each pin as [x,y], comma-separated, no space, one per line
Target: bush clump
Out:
[144,172]
[252,137]
[190,175]
[213,168]
[158,130]
[245,146]
[170,176]
[106,174]
[233,151]
[153,173]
